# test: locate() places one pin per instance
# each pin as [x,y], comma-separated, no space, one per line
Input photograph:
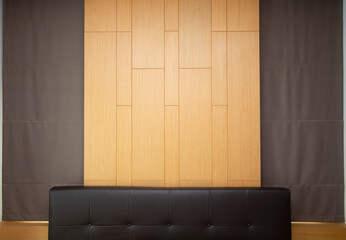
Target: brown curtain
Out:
[302,104]
[43,103]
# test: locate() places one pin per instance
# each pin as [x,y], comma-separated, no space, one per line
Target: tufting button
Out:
[129,224]
[208,225]
[169,224]
[248,224]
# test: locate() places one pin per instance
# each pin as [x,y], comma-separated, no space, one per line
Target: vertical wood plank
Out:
[195,125]
[195,34]
[243,106]
[100,15]
[171,146]
[242,15]
[100,106]
[171,15]
[171,69]
[148,125]
[124,15]
[218,15]
[219,144]
[148,33]
[124,158]
[219,69]
[124,72]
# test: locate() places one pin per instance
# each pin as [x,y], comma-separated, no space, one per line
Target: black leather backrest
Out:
[100,213]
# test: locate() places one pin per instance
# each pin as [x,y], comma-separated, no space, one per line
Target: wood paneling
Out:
[219,145]
[242,15]
[172,93]
[100,116]
[195,34]
[243,106]
[219,69]
[218,15]
[124,70]
[124,143]
[195,124]
[172,166]
[300,231]
[148,33]
[171,15]
[100,15]
[148,125]
[124,15]
[171,69]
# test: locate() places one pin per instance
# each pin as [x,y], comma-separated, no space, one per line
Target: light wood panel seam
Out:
[131,93]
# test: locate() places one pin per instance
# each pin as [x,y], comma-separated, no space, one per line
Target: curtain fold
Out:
[43,103]
[302,105]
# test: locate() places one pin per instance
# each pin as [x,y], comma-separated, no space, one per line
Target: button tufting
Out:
[248,224]
[129,224]
[208,225]
[169,224]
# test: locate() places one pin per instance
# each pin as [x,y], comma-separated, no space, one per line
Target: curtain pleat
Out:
[302,105]
[43,103]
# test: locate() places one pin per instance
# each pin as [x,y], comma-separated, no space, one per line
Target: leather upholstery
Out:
[119,213]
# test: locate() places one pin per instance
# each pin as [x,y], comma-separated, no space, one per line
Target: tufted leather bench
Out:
[119,213]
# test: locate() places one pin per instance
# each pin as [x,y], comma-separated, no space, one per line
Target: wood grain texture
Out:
[124,15]
[219,69]
[195,34]
[219,145]
[148,33]
[172,166]
[171,15]
[318,231]
[99,114]
[109,183]
[300,231]
[195,125]
[148,125]
[171,98]
[100,15]
[124,69]
[243,106]
[171,69]
[218,15]
[24,230]
[124,143]
[242,15]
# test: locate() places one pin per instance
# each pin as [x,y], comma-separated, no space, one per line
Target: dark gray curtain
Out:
[302,103]
[43,103]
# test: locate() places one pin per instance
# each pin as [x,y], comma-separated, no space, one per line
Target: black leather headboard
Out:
[115,213]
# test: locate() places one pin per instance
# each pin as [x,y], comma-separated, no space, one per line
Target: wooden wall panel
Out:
[148,33]
[124,145]
[100,15]
[219,69]
[100,116]
[148,125]
[124,69]
[171,15]
[242,15]
[171,69]
[219,15]
[195,124]
[124,15]
[195,34]
[219,146]
[172,93]
[172,166]
[243,106]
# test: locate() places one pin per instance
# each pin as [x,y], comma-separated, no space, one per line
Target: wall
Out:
[172,93]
